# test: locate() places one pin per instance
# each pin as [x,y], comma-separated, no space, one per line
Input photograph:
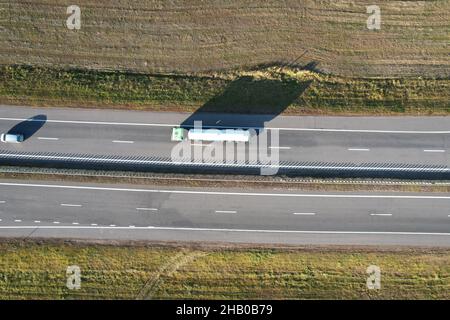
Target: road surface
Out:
[395,145]
[92,211]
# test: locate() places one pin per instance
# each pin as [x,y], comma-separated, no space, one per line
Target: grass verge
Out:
[271,90]
[37,270]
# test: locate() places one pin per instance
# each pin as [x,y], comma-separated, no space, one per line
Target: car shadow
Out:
[248,103]
[29,127]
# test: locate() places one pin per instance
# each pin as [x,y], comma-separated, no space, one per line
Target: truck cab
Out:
[177,134]
[11,138]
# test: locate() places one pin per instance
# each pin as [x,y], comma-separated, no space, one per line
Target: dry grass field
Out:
[37,270]
[190,36]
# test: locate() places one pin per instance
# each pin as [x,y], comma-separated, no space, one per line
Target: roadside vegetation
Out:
[37,270]
[221,181]
[273,90]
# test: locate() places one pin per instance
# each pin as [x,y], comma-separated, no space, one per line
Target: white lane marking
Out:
[434,151]
[56,222]
[37,221]
[47,138]
[304,213]
[233,165]
[358,149]
[122,141]
[234,230]
[146,209]
[2,201]
[225,211]
[75,223]
[381,214]
[70,205]
[112,225]
[94,224]
[234,127]
[202,144]
[301,195]
[0,220]
[17,220]
[280,148]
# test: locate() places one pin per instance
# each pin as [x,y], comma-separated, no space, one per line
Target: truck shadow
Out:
[29,127]
[248,103]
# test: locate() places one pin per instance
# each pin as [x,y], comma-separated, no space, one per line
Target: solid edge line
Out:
[232,230]
[305,195]
[224,127]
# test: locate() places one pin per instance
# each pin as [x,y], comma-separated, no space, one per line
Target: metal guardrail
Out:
[213,178]
[160,164]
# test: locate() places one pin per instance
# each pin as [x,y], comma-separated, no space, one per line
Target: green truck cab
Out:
[177,134]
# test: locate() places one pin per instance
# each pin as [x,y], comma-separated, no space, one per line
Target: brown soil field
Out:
[160,36]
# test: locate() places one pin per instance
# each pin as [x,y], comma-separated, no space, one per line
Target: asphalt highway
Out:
[373,143]
[37,209]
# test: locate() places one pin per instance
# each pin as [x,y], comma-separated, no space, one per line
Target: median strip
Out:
[300,166]
[223,193]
